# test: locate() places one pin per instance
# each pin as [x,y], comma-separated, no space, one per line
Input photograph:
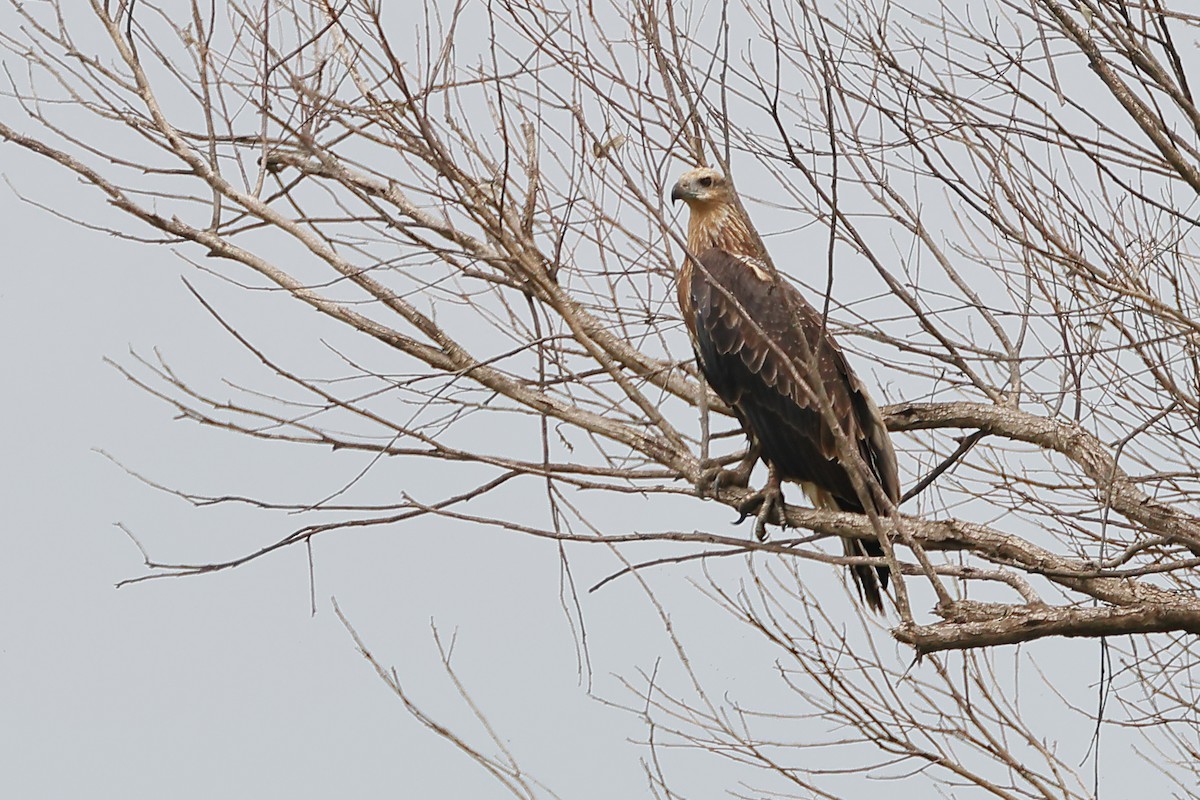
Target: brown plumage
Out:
[762,369]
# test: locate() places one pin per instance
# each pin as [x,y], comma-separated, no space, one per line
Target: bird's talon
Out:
[771,513]
[749,507]
[710,478]
[760,529]
[766,506]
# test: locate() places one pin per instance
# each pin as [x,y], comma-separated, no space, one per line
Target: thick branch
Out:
[1036,622]
[1112,484]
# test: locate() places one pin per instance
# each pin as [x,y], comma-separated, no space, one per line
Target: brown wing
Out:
[761,368]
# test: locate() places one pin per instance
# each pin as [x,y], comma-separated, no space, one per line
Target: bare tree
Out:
[995,206]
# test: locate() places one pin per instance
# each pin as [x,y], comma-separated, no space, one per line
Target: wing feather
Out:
[761,368]
[753,337]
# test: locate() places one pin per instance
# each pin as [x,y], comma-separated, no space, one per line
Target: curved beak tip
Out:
[676,194]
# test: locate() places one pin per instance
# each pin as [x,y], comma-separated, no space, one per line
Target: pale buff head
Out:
[716,219]
[702,188]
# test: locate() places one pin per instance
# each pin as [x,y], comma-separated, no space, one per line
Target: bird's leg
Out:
[766,505]
[740,475]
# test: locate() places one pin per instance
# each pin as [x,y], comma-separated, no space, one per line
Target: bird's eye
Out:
[706,181]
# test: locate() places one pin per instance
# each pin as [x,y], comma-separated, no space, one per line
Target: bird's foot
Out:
[714,477]
[767,507]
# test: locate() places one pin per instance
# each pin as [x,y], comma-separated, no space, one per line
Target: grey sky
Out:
[223,684]
[226,684]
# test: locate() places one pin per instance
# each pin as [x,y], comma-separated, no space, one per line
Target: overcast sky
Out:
[227,684]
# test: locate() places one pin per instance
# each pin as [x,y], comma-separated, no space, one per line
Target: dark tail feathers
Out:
[870,581]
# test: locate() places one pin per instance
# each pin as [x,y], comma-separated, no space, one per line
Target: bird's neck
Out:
[722,226]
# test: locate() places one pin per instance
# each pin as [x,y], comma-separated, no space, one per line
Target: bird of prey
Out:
[767,353]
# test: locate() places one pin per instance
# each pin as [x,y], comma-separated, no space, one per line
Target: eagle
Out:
[767,353]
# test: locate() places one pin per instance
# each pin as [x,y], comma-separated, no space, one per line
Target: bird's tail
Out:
[871,582]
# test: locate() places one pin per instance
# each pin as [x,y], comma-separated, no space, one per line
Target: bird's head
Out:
[701,188]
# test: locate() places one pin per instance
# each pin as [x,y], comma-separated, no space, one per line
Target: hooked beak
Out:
[676,194]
